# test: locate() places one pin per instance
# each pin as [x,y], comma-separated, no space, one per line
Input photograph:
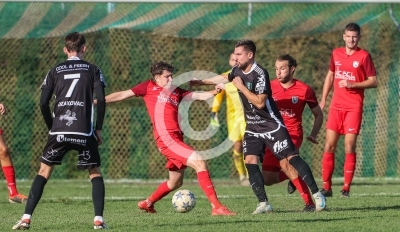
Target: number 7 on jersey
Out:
[76,77]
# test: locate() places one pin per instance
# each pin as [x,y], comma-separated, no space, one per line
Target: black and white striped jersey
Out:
[265,120]
[72,83]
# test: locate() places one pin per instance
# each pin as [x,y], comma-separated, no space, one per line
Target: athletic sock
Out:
[162,191]
[349,168]
[303,190]
[9,174]
[257,182]
[239,163]
[208,188]
[328,164]
[282,176]
[35,194]
[304,172]
[98,194]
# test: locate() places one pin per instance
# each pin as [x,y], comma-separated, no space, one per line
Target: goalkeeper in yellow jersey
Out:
[235,121]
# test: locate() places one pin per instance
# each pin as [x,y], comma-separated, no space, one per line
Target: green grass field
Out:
[374,205]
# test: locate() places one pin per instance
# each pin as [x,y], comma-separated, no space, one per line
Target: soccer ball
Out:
[183,201]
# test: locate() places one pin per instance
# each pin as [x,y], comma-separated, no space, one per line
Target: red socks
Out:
[160,192]
[205,183]
[304,192]
[348,171]
[9,174]
[328,164]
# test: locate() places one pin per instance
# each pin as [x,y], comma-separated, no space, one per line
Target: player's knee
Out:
[198,165]
[3,152]
[330,148]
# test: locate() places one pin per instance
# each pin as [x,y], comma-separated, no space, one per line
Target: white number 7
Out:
[76,77]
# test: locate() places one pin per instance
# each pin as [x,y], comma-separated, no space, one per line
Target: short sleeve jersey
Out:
[357,68]
[73,82]
[162,106]
[263,120]
[291,103]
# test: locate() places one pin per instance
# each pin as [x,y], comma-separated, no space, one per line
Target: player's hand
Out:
[345,84]
[322,104]
[95,101]
[2,109]
[214,120]
[238,83]
[219,87]
[99,137]
[312,139]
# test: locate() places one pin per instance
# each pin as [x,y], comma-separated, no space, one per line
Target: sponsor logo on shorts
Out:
[280,146]
[62,138]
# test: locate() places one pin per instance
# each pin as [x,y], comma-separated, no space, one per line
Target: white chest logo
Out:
[355,64]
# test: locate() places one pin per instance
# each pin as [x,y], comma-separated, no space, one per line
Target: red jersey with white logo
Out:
[356,68]
[162,106]
[291,103]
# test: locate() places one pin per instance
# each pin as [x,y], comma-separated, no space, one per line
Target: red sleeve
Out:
[183,92]
[140,89]
[311,98]
[369,66]
[332,64]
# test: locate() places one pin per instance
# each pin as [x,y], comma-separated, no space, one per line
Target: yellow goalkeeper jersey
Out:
[234,108]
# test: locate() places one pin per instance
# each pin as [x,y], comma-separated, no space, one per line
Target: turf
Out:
[374,205]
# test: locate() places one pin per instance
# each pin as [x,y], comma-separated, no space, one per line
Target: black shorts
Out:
[58,145]
[278,142]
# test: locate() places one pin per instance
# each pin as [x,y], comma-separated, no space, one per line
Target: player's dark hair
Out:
[247,45]
[159,67]
[291,61]
[74,42]
[353,27]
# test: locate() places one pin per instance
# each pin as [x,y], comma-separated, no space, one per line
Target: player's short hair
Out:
[159,67]
[291,61]
[353,27]
[74,42]
[248,45]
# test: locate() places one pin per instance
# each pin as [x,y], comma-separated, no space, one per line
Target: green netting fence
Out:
[123,39]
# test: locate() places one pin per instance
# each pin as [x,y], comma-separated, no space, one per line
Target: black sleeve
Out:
[231,75]
[101,106]
[45,108]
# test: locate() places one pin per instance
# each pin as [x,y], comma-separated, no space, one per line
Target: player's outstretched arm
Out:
[318,120]
[327,87]
[220,79]
[202,96]
[2,109]
[119,96]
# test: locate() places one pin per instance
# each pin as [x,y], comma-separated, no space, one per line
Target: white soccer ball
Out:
[183,201]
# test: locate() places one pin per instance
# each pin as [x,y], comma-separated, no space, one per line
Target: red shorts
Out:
[174,149]
[344,122]
[271,163]
[1,131]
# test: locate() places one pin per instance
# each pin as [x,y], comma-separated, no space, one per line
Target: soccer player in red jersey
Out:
[351,71]
[8,168]
[162,100]
[291,96]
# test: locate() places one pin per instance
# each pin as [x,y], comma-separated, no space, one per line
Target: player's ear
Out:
[83,49]
[250,55]
[65,50]
[292,69]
